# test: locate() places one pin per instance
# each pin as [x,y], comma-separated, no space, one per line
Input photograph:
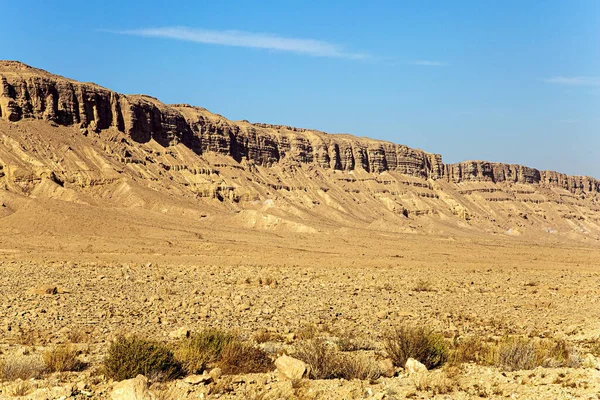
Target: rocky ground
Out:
[459,288]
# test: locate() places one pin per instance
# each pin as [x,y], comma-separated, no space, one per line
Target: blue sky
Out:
[511,81]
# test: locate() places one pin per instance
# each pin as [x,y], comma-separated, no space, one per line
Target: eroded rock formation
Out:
[29,93]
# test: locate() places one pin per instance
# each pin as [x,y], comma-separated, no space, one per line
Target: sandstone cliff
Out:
[32,93]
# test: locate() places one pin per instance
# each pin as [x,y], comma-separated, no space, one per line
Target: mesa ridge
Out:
[29,93]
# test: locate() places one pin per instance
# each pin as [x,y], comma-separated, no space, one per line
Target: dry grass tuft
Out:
[419,343]
[472,349]
[15,367]
[77,336]
[242,358]
[263,336]
[22,389]
[61,359]
[307,332]
[518,353]
[130,356]
[201,348]
[438,383]
[31,337]
[327,363]
[423,285]
[348,342]
[594,347]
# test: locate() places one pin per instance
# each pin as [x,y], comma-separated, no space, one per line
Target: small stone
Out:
[132,389]
[180,333]
[413,366]
[290,368]
[198,379]
[382,314]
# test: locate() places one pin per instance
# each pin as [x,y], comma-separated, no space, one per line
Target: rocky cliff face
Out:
[482,171]
[29,93]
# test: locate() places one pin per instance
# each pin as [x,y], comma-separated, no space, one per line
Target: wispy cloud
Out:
[574,80]
[426,63]
[267,41]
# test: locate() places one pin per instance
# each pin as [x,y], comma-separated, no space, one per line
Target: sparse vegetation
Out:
[129,356]
[23,367]
[594,347]
[77,336]
[472,349]
[263,336]
[31,337]
[423,285]
[518,353]
[243,358]
[62,358]
[437,383]
[349,342]
[420,343]
[201,348]
[307,332]
[327,363]
[22,389]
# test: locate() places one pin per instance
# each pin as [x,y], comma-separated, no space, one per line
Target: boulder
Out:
[132,389]
[414,367]
[290,368]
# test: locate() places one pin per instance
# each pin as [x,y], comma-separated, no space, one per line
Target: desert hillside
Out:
[89,146]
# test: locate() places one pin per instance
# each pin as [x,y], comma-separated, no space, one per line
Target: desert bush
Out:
[201,348]
[518,353]
[23,367]
[263,336]
[420,343]
[349,342]
[471,349]
[307,332]
[358,367]
[130,356]
[242,358]
[62,358]
[423,285]
[327,363]
[321,359]
[77,336]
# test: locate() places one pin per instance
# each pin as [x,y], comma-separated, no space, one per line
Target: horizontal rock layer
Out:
[27,92]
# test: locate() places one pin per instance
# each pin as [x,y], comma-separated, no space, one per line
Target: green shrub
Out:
[201,348]
[130,356]
[419,343]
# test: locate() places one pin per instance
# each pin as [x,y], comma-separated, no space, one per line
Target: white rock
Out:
[413,366]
